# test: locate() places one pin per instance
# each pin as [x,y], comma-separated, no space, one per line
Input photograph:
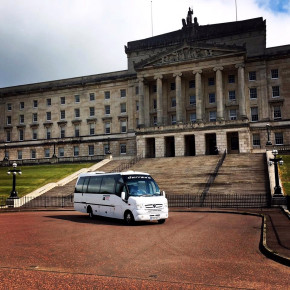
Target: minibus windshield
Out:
[141,185]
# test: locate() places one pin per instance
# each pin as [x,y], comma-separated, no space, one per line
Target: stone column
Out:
[158,79]
[178,97]
[241,90]
[141,102]
[219,93]
[198,95]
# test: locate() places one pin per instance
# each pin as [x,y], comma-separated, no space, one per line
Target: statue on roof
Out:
[188,21]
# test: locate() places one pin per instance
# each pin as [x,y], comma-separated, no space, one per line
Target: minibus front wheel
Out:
[129,218]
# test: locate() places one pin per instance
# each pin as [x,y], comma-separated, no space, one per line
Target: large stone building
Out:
[200,90]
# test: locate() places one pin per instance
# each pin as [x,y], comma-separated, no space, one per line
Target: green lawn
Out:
[36,176]
[285,173]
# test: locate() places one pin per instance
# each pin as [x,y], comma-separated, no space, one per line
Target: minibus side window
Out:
[94,184]
[79,186]
[119,186]
[85,186]
[108,185]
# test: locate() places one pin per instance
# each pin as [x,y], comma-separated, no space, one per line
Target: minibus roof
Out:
[130,172]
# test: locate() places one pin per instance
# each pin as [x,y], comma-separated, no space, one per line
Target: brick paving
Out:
[192,250]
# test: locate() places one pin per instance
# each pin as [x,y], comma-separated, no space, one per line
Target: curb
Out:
[263,240]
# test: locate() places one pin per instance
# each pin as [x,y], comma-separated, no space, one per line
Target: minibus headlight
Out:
[165,204]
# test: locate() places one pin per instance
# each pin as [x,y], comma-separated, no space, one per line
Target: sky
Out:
[44,40]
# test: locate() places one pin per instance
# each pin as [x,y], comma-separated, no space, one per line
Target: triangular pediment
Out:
[188,53]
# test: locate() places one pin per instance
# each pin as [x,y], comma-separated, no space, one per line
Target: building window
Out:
[254,114]
[9,107]
[21,119]
[48,116]
[212,116]
[34,134]
[8,136]
[137,122]
[173,102]
[154,88]
[233,114]
[154,104]
[77,130]
[107,128]
[137,106]
[32,153]
[92,129]
[154,120]
[252,76]
[107,110]
[92,111]
[191,84]
[62,100]
[136,90]
[275,91]
[253,93]
[60,152]
[211,98]
[77,113]
[274,74]
[256,140]
[123,93]
[279,138]
[192,100]
[172,86]
[21,134]
[173,119]
[46,152]
[62,132]
[123,126]
[231,79]
[232,95]
[48,102]
[76,151]
[62,114]
[91,150]
[77,98]
[277,112]
[35,103]
[48,133]
[92,96]
[21,105]
[192,117]
[34,117]
[106,149]
[211,81]
[8,120]
[123,108]
[19,154]
[123,149]
[107,95]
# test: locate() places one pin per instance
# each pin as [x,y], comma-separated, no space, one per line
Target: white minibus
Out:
[132,196]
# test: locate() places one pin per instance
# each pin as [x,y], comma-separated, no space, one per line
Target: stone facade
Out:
[199,90]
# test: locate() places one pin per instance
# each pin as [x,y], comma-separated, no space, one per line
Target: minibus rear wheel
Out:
[129,218]
[90,212]
[162,221]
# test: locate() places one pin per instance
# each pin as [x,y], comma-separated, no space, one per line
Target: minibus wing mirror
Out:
[163,193]
[123,195]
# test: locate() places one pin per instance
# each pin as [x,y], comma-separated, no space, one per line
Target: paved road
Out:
[201,250]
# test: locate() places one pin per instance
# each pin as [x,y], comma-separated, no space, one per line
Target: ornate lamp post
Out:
[14,171]
[5,153]
[268,127]
[275,161]
[54,155]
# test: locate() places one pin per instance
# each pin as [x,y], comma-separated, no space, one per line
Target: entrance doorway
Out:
[150,148]
[233,142]
[210,141]
[169,146]
[189,141]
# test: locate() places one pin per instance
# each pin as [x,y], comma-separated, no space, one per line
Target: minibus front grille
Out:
[153,206]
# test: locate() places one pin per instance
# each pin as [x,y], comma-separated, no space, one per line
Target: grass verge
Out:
[36,176]
[285,174]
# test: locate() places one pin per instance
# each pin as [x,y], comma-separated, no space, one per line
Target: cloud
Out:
[55,39]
